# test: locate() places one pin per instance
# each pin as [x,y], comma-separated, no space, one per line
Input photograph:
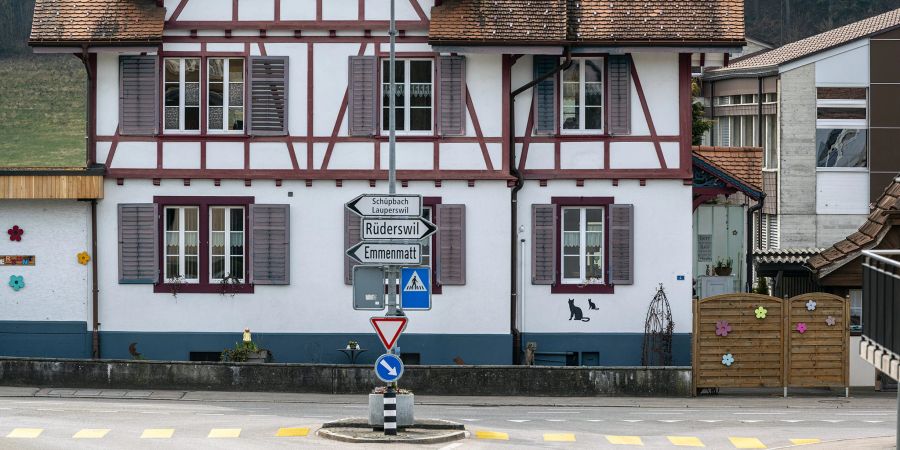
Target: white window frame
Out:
[773,153]
[181,91]
[582,91]
[181,251]
[227,232]
[406,106]
[582,251]
[226,94]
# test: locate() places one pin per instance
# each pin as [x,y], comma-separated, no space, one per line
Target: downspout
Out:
[95,289]
[753,209]
[514,201]
[89,158]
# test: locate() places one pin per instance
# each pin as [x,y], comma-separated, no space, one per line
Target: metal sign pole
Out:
[390,397]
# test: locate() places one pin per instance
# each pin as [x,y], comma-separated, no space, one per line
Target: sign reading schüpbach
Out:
[381,205]
[411,229]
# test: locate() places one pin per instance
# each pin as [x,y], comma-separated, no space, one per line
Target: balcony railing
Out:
[881,311]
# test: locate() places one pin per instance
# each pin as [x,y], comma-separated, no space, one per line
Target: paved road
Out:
[118,419]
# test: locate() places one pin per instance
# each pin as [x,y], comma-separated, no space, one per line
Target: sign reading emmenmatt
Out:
[386,253]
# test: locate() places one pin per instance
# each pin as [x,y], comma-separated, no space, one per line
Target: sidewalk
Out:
[740,399]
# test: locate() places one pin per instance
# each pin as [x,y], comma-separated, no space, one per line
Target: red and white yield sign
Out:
[388,329]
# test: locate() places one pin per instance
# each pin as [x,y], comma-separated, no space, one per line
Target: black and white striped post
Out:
[390,412]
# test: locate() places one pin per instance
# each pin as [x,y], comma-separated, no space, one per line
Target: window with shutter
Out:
[619,79]
[451,255]
[543,244]
[363,95]
[351,238]
[270,244]
[621,244]
[138,243]
[137,95]
[453,95]
[269,95]
[545,95]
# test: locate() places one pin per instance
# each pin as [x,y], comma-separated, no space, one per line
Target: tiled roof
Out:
[785,255]
[61,22]
[744,163]
[814,44]
[588,21]
[868,236]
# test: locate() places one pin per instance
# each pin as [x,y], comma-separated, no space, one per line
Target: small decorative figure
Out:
[84,258]
[15,233]
[801,328]
[830,321]
[246,337]
[761,312]
[728,359]
[16,282]
[722,328]
[811,305]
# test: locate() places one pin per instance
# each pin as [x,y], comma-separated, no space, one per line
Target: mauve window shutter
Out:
[270,244]
[269,95]
[451,256]
[545,95]
[452,89]
[351,238]
[543,244]
[138,87]
[621,244]
[619,79]
[363,95]
[138,243]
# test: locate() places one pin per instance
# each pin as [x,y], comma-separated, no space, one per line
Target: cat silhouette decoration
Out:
[592,306]
[575,312]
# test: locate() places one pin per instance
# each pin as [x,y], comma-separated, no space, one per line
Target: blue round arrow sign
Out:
[388,368]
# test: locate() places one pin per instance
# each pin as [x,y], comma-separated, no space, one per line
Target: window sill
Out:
[582,289]
[194,288]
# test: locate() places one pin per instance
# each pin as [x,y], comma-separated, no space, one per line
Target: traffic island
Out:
[424,431]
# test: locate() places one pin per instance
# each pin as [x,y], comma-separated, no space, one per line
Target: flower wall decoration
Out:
[728,359]
[16,282]
[811,305]
[830,321]
[84,258]
[801,328]
[722,328]
[761,312]
[15,233]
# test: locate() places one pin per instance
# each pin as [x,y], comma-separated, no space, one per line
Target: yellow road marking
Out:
[743,442]
[685,441]
[805,441]
[559,437]
[158,433]
[25,433]
[91,433]
[224,433]
[496,435]
[292,432]
[625,440]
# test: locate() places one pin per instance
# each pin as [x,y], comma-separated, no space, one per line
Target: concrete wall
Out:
[797,203]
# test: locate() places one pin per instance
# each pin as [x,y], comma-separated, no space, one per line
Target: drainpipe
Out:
[758,206]
[89,158]
[95,289]
[514,201]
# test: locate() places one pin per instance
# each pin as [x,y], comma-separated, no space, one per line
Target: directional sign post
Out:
[415,288]
[379,205]
[389,229]
[386,253]
[388,368]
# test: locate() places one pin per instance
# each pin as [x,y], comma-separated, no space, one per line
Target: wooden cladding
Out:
[840,93]
[138,102]
[269,95]
[50,187]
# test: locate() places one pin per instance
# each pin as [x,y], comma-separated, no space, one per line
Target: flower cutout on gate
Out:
[728,359]
[16,282]
[761,312]
[15,233]
[722,328]
[811,305]
[830,321]
[84,258]
[801,328]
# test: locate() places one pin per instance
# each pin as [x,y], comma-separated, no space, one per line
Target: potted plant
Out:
[246,351]
[723,267]
[229,285]
[405,407]
[352,345]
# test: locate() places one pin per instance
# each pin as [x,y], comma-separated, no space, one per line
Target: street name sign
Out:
[380,205]
[368,288]
[415,288]
[386,253]
[388,329]
[388,368]
[412,229]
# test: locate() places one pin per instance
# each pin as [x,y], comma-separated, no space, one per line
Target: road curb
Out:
[428,431]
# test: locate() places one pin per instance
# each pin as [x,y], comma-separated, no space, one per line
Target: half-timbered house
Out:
[550,139]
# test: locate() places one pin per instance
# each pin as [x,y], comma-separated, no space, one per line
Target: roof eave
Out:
[743,72]
[93,42]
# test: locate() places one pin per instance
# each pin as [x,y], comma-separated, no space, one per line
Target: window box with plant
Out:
[723,267]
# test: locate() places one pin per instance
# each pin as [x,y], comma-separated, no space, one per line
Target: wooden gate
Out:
[751,340]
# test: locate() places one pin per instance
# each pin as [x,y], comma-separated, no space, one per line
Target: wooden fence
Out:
[751,340]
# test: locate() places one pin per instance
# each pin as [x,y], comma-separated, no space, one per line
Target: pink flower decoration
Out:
[801,328]
[15,233]
[722,328]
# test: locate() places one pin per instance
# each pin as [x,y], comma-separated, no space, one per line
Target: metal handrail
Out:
[877,255]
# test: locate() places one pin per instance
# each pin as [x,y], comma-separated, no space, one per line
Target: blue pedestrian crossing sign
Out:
[388,368]
[415,288]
